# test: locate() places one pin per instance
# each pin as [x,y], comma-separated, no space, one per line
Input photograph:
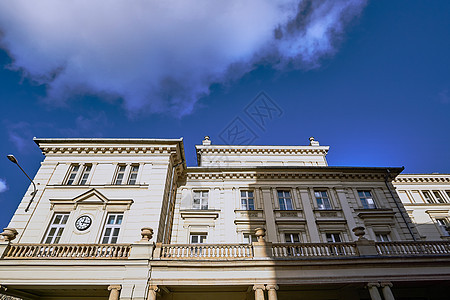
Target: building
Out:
[127,219]
[426,198]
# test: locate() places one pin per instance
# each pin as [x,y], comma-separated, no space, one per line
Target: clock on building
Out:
[83,223]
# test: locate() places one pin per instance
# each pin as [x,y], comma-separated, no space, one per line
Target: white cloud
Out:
[161,56]
[3,186]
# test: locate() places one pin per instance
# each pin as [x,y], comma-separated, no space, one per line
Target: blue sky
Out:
[375,86]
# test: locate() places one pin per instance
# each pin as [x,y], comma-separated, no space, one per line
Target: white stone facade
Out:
[126,218]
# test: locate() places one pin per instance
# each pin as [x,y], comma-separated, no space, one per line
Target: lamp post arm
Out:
[34,186]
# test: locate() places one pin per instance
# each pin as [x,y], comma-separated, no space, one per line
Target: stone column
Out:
[152,290]
[272,291]
[387,292]
[114,294]
[259,291]
[373,290]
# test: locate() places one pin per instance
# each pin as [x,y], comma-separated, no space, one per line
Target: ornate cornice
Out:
[283,176]
[423,178]
[108,150]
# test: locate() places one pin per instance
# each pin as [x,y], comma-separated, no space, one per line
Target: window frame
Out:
[442,224]
[119,172]
[86,170]
[289,237]
[282,200]
[201,204]
[324,207]
[133,172]
[59,228]
[332,236]
[364,203]
[438,196]
[249,238]
[246,198]
[202,237]
[428,199]
[113,228]
[72,171]
[382,237]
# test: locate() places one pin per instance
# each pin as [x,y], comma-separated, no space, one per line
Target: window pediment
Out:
[91,197]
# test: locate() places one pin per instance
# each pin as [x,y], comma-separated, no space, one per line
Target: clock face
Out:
[83,223]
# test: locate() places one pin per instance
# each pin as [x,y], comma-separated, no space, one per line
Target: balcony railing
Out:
[225,251]
[308,250]
[109,251]
[206,251]
[413,248]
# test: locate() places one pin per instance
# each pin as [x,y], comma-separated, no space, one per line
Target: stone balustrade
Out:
[109,251]
[308,250]
[223,251]
[413,248]
[206,251]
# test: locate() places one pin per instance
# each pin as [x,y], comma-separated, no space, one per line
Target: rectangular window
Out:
[198,238]
[323,202]
[85,174]
[250,238]
[285,201]
[366,199]
[438,197]
[73,174]
[112,228]
[56,228]
[291,238]
[120,174]
[200,200]
[133,174]
[333,238]
[443,226]
[448,194]
[247,200]
[428,197]
[382,237]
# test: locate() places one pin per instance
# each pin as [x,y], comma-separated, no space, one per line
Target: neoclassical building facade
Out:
[127,219]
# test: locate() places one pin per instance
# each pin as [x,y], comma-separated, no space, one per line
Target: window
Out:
[323,202]
[291,238]
[284,198]
[366,199]
[85,174]
[250,238]
[112,228]
[333,238]
[56,228]
[443,226]
[438,197]
[448,194]
[382,237]
[120,174]
[428,197]
[133,174]
[247,200]
[200,200]
[198,238]
[73,174]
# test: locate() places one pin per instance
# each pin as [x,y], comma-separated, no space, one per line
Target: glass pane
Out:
[105,240]
[107,232]
[251,205]
[64,220]
[52,232]
[59,233]
[243,194]
[317,194]
[48,240]
[295,238]
[113,240]
[194,239]
[202,239]
[119,219]
[288,204]
[57,219]
[280,194]
[116,232]
[56,241]
[111,219]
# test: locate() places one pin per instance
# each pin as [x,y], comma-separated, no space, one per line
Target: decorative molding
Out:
[109,150]
[197,213]
[423,178]
[84,200]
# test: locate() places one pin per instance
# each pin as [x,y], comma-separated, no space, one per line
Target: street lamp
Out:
[14,160]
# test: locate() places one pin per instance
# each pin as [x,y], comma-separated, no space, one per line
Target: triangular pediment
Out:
[91,196]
